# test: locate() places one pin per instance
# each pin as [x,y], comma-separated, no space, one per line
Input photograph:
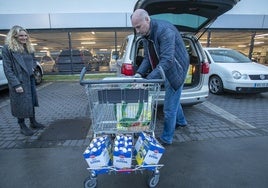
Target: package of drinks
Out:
[98,153]
[149,152]
[122,151]
[139,142]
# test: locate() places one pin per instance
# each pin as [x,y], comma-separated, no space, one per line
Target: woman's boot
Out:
[23,128]
[34,124]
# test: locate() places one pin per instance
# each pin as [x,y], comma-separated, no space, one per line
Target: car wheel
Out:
[215,85]
[38,76]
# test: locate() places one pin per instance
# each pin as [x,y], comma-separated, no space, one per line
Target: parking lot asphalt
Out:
[223,146]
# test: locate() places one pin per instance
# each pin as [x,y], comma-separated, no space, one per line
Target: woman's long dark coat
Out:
[22,104]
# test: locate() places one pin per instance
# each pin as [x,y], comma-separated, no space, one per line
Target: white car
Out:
[48,64]
[3,80]
[190,17]
[232,71]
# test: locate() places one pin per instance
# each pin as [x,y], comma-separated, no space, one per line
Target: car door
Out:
[3,79]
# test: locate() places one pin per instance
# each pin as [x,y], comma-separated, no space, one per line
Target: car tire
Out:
[215,85]
[38,76]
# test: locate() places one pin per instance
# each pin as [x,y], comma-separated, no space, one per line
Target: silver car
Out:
[189,17]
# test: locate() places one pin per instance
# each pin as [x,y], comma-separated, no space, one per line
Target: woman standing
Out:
[19,64]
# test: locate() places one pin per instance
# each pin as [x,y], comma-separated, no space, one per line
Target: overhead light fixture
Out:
[261,35]
[242,46]
[88,42]
[104,50]
[93,33]
[261,42]
[34,44]
[3,35]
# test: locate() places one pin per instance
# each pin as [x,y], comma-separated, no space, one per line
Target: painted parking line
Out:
[43,86]
[226,115]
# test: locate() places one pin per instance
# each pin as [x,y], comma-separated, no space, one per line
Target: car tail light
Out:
[127,69]
[205,68]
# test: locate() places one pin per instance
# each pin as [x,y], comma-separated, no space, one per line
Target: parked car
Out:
[38,74]
[113,58]
[233,71]
[48,64]
[73,60]
[189,17]
[3,80]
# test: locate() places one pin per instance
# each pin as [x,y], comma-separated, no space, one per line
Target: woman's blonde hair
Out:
[14,44]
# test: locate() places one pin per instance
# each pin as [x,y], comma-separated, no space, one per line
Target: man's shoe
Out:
[163,143]
[180,125]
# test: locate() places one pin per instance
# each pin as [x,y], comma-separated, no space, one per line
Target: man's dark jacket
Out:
[171,51]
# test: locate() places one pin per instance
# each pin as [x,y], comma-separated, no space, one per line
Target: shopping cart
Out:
[123,113]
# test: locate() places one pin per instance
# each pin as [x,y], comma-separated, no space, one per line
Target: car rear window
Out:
[65,57]
[189,21]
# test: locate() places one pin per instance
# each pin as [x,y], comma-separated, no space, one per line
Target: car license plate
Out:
[261,85]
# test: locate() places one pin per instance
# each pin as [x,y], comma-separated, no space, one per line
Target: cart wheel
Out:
[153,181]
[90,182]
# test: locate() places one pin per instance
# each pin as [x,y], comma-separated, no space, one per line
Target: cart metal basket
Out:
[121,108]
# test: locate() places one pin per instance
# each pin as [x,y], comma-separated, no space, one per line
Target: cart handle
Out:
[119,79]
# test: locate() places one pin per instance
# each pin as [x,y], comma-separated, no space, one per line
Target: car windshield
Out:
[189,21]
[228,56]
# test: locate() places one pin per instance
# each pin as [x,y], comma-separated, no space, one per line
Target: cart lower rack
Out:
[123,113]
